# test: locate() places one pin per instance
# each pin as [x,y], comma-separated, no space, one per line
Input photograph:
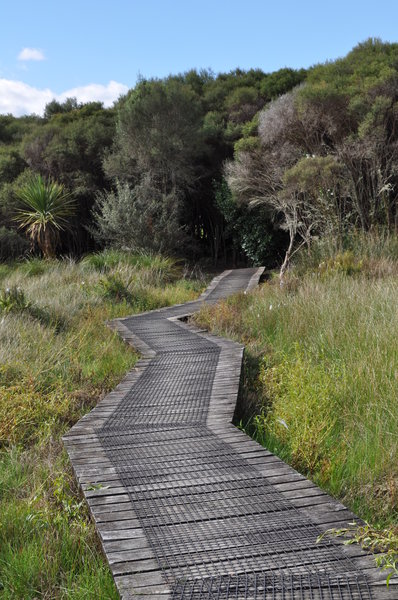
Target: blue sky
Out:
[95,49]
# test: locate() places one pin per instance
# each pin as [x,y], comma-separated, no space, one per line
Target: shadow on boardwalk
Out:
[186,505]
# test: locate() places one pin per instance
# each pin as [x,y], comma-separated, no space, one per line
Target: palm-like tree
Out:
[45,208]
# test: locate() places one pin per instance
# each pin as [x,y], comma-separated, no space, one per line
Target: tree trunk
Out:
[285,264]
[46,243]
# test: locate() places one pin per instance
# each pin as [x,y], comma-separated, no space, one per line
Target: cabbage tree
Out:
[45,208]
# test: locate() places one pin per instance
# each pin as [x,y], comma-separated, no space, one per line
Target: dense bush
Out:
[12,245]
[138,219]
[167,139]
[327,158]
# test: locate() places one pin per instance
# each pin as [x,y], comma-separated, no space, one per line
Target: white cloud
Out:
[95,92]
[19,98]
[31,54]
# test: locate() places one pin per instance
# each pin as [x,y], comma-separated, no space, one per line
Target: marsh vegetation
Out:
[57,358]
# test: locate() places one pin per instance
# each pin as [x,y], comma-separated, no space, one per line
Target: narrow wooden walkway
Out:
[186,505]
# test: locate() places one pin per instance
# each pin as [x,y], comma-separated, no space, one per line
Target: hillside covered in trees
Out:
[234,167]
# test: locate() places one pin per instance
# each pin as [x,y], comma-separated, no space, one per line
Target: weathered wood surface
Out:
[188,506]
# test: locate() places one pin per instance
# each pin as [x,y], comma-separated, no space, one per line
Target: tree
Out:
[258,178]
[69,148]
[159,145]
[280,82]
[54,107]
[255,179]
[327,152]
[135,219]
[351,108]
[321,183]
[45,208]
[158,134]
[249,230]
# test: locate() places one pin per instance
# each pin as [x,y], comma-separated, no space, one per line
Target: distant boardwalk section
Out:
[186,505]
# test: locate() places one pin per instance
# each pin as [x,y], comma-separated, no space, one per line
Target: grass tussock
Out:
[57,357]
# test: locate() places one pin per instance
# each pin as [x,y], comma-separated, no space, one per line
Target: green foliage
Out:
[55,108]
[249,141]
[13,129]
[214,126]
[241,95]
[111,258]
[12,245]
[69,147]
[330,132]
[249,229]
[13,299]
[46,205]
[281,81]
[11,164]
[169,136]
[308,424]
[247,144]
[139,219]
[149,269]
[374,253]
[369,63]
[32,267]
[384,542]
[113,287]
[250,128]
[325,163]
[48,545]
[4,271]
[314,174]
[158,134]
[345,263]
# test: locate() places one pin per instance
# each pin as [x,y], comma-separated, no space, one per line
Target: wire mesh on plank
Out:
[264,586]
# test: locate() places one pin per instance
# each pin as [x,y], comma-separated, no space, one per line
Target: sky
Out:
[96,49]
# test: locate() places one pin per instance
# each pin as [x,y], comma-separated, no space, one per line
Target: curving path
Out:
[186,505]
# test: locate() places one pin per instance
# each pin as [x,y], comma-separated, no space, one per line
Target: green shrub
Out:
[13,300]
[346,263]
[141,218]
[12,245]
[112,287]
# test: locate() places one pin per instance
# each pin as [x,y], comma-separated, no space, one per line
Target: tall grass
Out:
[326,380]
[376,251]
[57,357]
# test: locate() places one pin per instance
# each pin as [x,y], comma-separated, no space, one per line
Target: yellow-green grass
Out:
[322,366]
[57,358]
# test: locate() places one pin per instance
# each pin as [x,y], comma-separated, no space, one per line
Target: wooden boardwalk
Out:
[186,505]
